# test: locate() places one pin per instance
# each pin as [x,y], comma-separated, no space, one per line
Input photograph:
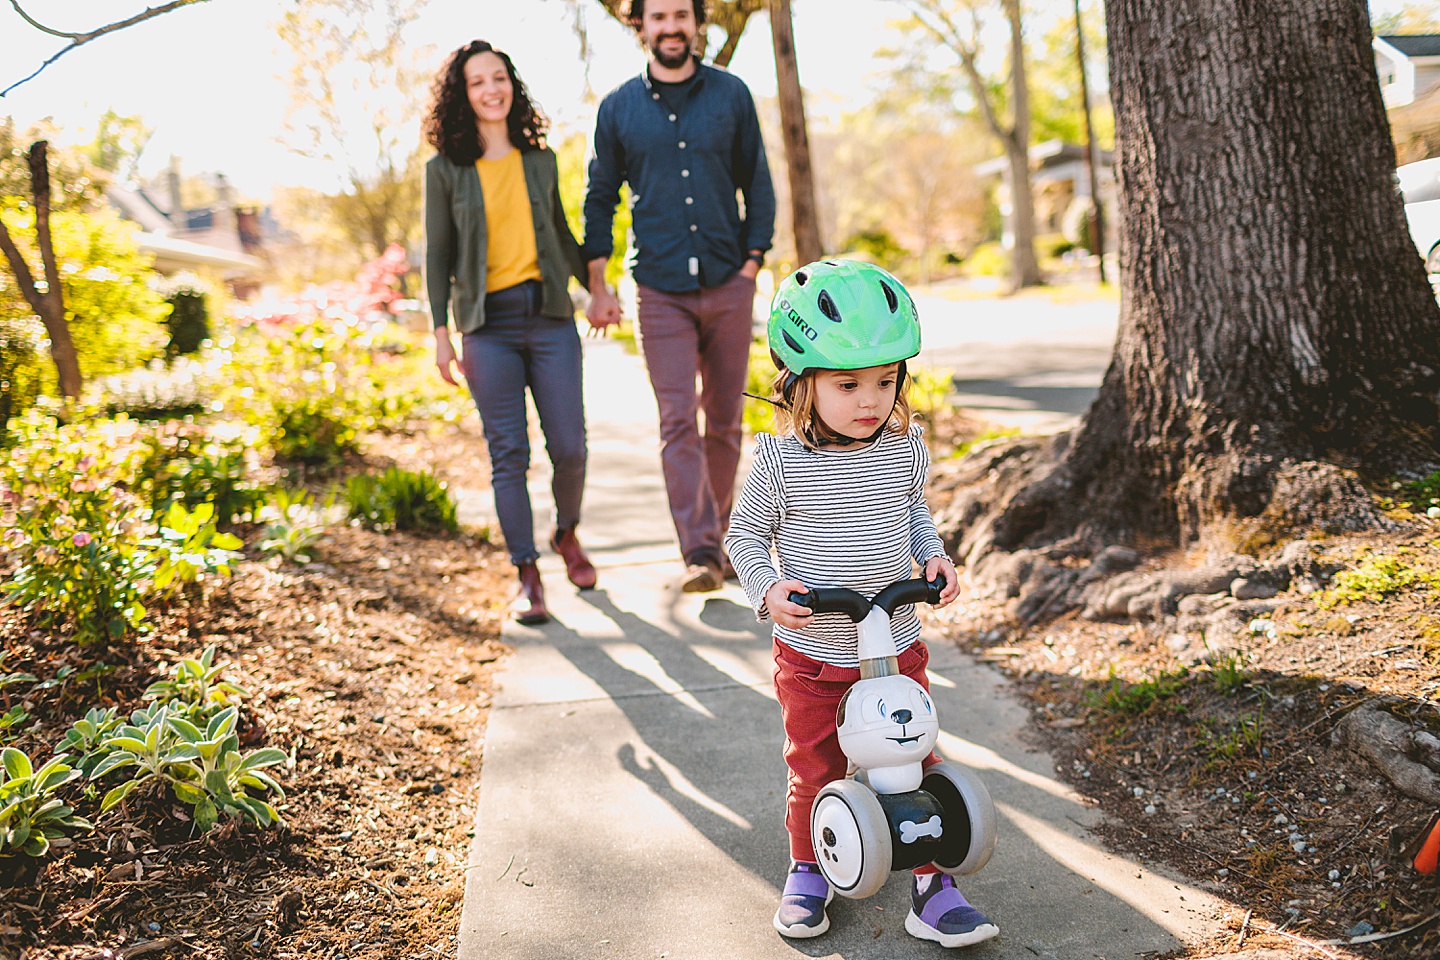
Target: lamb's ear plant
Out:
[87,737]
[296,525]
[194,688]
[33,819]
[204,768]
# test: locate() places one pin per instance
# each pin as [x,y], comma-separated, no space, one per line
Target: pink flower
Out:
[81,539]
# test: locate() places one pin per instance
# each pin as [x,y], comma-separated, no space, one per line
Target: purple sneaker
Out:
[802,905]
[938,912]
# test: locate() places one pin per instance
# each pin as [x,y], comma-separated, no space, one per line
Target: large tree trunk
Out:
[49,305]
[804,219]
[1024,267]
[1274,311]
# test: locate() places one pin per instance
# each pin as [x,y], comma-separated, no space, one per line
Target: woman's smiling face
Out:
[856,403]
[488,87]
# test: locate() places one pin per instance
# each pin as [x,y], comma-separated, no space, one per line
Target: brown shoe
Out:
[577,566]
[701,578]
[529,606]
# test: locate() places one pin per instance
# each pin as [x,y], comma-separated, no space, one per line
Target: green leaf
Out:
[37,846]
[228,541]
[114,761]
[129,743]
[16,764]
[186,729]
[118,794]
[205,814]
[216,785]
[187,793]
[267,757]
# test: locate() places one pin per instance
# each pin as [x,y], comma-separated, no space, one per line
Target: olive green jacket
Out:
[456,241]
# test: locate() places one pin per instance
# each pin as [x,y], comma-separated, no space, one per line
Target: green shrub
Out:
[188,549]
[402,500]
[195,690]
[116,320]
[203,767]
[73,527]
[184,464]
[188,323]
[987,260]
[294,525]
[307,388]
[156,391]
[929,391]
[759,415]
[32,817]
[23,364]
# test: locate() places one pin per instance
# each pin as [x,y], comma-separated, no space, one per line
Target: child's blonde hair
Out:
[796,412]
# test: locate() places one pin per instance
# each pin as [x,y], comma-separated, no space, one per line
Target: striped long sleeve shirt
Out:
[834,518]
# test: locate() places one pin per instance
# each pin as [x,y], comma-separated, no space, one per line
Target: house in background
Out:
[1409,67]
[224,238]
[1060,185]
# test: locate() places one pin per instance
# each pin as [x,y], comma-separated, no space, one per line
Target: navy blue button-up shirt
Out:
[684,170]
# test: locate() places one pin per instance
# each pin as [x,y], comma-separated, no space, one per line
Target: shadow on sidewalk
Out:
[708,744]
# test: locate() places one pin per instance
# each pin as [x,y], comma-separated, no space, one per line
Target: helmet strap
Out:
[840,440]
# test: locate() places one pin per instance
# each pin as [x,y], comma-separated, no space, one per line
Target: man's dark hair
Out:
[450,123]
[637,12]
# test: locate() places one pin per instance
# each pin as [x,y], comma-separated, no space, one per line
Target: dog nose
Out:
[901,716]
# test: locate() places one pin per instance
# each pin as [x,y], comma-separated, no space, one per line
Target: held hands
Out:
[782,611]
[750,269]
[604,310]
[445,355]
[943,567]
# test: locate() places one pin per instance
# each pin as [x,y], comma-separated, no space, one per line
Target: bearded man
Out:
[686,138]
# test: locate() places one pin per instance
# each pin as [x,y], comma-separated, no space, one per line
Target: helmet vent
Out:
[790,342]
[890,297]
[802,277]
[827,306]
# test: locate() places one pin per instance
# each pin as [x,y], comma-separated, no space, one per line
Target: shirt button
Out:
[654,96]
[684,173]
[689,199]
[682,144]
[672,118]
[693,228]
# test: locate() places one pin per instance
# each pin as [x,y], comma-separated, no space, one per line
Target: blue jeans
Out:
[519,348]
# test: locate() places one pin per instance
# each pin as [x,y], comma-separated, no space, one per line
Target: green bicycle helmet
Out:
[842,315]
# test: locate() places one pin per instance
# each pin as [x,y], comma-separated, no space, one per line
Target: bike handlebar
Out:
[856,605]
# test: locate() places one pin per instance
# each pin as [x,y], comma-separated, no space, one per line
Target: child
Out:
[840,496]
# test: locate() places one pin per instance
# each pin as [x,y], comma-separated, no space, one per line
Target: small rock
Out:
[1298,847]
[1433,513]
[345,836]
[1360,929]
[1149,808]
[1138,791]
[437,788]
[1243,588]
[1223,872]
[153,927]
[1334,874]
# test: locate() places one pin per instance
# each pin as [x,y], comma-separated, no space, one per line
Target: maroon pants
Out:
[704,332]
[809,694]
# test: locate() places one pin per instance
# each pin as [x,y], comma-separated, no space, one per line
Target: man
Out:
[685,136]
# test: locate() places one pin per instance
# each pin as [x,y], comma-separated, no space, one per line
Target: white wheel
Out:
[852,838]
[971,824]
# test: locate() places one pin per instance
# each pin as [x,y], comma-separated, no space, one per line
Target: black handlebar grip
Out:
[803,599]
[834,600]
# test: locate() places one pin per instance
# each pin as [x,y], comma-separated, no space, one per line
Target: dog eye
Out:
[873,710]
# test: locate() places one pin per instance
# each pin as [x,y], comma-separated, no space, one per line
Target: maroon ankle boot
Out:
[529,606]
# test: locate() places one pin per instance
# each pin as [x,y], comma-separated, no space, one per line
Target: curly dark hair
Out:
[450,122]
[637,12]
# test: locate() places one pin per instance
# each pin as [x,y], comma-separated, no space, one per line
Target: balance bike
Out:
[892,813]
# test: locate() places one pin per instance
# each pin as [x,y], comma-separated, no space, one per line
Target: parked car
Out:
[1420,186]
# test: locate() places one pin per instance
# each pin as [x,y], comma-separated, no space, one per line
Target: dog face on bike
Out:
[886,721]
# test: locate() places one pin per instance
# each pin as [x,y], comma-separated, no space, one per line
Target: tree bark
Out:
[1274,311]
[1024,267]
[49,305]
[805,221]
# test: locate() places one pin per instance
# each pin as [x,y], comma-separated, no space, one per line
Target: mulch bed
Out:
[1226,772]
[372,668]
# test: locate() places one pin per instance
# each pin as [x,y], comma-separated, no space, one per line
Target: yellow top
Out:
[510,251]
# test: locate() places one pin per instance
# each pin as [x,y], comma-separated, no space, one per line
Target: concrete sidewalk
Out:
[632,793]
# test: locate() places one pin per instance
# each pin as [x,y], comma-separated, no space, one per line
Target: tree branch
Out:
[81,38]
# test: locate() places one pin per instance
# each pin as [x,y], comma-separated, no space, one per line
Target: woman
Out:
[500,254]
